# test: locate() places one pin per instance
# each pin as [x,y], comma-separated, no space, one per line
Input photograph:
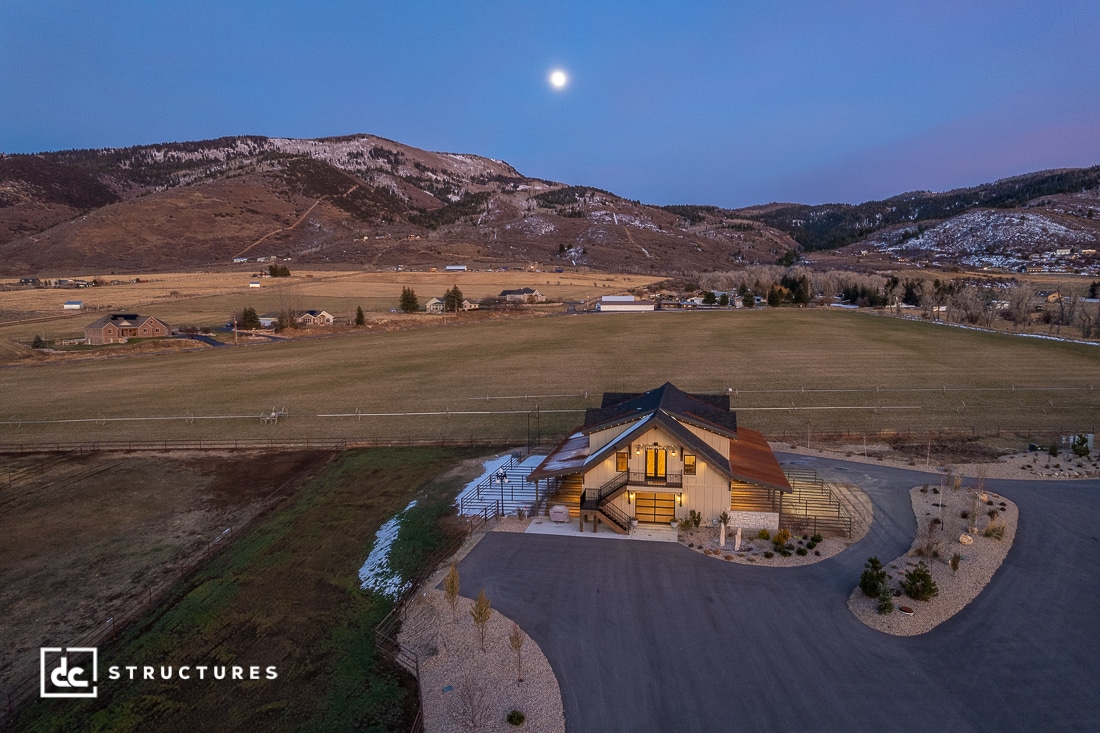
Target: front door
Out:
[655,507]
[656,464]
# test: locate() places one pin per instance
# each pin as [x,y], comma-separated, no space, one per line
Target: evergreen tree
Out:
[248,319]
[409,303]
[452,301]
[360,320]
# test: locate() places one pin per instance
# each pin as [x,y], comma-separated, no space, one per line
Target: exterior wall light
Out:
[680,498]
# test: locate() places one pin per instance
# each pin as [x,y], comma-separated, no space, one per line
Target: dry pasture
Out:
[210,298]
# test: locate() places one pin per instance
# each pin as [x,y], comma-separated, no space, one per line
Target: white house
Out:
[435,305]
[623,304]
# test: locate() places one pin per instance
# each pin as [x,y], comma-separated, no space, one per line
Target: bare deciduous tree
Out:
[470,709]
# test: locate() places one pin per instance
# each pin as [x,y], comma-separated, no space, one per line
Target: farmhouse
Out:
[116,328]
[302,318]
[523,295]
[656,456]
[314,318]
[623,304]
[435,305]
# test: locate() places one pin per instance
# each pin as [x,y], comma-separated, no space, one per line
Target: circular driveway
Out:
[650,636]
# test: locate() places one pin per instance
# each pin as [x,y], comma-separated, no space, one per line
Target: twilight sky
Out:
[729,102]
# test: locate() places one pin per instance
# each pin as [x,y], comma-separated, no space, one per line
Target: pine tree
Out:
[360,319]
[452,301]
[248,319]
[409,303]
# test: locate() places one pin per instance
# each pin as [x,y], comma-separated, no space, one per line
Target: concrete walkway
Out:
[649,636]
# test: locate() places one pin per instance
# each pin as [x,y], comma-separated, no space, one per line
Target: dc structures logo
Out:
[69,671]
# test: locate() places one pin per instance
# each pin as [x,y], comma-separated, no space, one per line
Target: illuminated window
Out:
[689,464]
[622,459]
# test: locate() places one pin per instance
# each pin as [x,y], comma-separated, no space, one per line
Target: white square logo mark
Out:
[69,671]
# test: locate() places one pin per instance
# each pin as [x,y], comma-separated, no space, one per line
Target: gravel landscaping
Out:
[977,563]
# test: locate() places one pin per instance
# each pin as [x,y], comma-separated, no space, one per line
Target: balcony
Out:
[671,480]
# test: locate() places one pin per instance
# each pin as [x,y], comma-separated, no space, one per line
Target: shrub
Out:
[516,718]
[935,490]
[996,531]
[964,514]
[885,599]
[802,551]
[992,514]
[989,503]
[769,554]
[685,523]
[873,579]
[785,553]
[936,520]
[763,535]
[918,583]
[817,552]
[954,563]
[817,538]
[695,517]
[811,545]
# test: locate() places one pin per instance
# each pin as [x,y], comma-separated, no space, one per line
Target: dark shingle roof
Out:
[711,412]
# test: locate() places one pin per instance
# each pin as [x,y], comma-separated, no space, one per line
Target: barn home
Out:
[654,457]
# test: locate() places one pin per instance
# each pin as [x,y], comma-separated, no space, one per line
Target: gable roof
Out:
[710,412]
[751,458]
[122,320]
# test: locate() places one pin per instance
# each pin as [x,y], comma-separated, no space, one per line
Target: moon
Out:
[558,79]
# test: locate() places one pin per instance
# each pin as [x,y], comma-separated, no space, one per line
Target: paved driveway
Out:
[653,637]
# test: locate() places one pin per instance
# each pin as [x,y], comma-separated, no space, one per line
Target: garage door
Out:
[655,507]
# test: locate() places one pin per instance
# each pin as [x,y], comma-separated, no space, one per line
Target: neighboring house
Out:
[115,328]
[314,318]
[623,304]
[455,268]
[302,318]
[435,305]
[523,295]
[656,456]
[73,305]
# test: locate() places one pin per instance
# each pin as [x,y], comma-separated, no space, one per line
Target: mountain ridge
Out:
[366,200]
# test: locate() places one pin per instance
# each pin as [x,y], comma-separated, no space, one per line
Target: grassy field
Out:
[285,594]
[788,371]
[210,299]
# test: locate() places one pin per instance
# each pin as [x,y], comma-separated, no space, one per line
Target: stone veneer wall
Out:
[754,520]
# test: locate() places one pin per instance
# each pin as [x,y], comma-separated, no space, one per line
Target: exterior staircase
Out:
[811,507]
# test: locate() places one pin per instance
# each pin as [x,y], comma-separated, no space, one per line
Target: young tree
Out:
[481,612]
[515,640]
[360,319]
[450,590]
[409,303]
[873,579]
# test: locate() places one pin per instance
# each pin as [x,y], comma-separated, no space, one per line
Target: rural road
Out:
[655,637]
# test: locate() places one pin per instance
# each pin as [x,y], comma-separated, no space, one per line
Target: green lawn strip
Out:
[285,594]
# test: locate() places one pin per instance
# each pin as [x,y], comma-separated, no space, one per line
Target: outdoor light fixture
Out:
[629,497]
[638,449]
[680,498]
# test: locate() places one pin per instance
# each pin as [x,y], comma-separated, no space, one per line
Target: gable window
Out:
[622,459]
[689,464]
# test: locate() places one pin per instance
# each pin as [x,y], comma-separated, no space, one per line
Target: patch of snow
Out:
[376,574]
